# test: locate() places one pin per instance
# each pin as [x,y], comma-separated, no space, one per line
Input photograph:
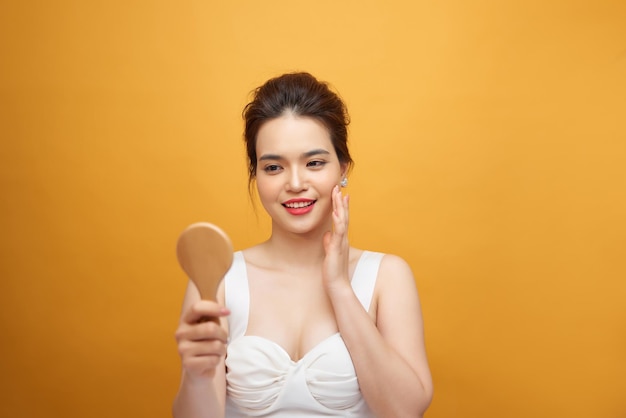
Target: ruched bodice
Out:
[262,379]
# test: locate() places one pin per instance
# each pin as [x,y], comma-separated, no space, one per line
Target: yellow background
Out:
[490,144]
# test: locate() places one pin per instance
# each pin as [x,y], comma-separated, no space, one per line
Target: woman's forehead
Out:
[293,135]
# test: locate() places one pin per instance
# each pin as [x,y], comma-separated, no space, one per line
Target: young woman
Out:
[308,325]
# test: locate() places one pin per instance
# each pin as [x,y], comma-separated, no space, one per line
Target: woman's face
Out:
[297,168]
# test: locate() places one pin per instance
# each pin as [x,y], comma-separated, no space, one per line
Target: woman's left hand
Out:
[335,268]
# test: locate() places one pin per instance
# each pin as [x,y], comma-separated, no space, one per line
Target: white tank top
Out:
[263,381]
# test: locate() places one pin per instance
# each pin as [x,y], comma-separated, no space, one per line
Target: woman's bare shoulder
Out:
[394,264]
[395,272]
[255,255]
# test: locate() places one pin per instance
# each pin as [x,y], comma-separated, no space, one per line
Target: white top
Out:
[263,381]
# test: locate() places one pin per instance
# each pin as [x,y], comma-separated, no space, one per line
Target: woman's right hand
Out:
[201,339]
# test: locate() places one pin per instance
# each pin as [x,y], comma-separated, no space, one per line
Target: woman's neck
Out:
[296,250]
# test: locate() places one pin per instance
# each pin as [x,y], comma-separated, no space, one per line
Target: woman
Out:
[303,315]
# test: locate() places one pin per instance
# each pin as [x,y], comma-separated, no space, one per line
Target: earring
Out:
[344,182]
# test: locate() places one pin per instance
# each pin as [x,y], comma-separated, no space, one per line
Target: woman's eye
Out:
[316,163]
[271,168]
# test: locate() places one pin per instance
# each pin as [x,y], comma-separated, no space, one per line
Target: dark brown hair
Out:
[303,95]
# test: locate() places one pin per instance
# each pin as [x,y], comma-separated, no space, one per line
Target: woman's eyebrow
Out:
[307,154]
[269,157]
[315,152]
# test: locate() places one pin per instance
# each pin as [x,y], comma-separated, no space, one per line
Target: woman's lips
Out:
[299,206]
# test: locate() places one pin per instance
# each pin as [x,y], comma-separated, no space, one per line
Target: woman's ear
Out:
[344,170]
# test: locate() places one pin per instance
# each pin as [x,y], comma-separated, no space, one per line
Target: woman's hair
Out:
[300,94]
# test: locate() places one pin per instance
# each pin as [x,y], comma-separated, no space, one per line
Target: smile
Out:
[296,205]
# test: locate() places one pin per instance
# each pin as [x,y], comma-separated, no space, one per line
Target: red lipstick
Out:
[299,206]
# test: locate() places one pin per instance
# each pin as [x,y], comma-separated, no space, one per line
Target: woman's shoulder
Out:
[392,267]
[251,251]
[388,261]
[261,256]
[394,262]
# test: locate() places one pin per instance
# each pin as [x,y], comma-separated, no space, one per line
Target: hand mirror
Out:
[205,253]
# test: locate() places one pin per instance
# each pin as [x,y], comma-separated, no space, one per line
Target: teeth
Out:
[298,204]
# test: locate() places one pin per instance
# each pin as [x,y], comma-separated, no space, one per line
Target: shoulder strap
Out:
[364,277]
[237,296]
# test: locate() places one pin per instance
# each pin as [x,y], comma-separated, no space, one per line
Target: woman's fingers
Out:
[203,310]
[189,349]
[202,331]
[340,211]
[201,339]
[201,358]
[345,200]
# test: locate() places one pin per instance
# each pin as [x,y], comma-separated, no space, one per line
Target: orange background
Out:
[490,145]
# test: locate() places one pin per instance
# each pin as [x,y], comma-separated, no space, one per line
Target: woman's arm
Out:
[389,356]
[202,347]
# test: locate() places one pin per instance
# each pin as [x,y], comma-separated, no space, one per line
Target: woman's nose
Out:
[297,181]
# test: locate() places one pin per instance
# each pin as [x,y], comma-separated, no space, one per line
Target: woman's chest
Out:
[296,313]
[262,378]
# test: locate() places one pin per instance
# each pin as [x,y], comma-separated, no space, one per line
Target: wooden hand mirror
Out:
[205,253]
